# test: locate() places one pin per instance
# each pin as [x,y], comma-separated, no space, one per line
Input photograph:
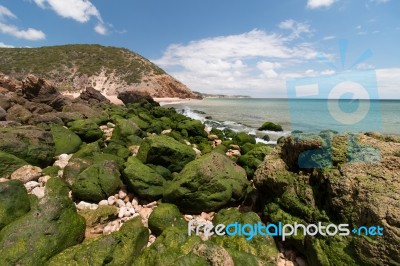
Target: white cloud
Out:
[314,4]
[3,45]
[5,12]
[297,28]
[5,28]
[78,10]
[29,34]
[379,1]
[246,63]
[330,37]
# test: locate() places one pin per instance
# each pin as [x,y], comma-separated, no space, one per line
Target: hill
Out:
[110,70]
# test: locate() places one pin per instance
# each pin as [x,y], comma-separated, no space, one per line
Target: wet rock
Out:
[27,173]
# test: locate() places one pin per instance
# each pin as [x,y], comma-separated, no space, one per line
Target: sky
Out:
[230,47]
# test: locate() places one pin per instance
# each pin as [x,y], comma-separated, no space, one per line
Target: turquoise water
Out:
[305,115]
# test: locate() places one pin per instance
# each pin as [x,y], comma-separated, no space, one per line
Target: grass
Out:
[64,62]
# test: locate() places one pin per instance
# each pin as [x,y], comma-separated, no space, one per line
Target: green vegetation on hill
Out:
[61,62]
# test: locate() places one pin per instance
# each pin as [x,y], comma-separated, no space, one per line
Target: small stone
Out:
[121,212]
[233,153]
[212,137]
[43,180]
[86,206]
[198,152]
[103,202]
[137,208]
[134,149]
[166,131]
[129,212]
[120,203]
[111,200]
[234,147]
[217,142]
[31,185]
[188,217]
[122,194]
[151,204]
[135,202]
[126,199]
[27,173]
[128,204]
[97,230]
[4,180]
[62,160]
[187,142]
[205,216]
[110,125]
[38,192]
[300,261]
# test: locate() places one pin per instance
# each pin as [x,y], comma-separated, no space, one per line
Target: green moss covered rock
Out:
[127,131]
[143,180]
[207,184]
[87,129]
[65,140]
[271,127]
[28,143]
[242,138]
[97,182]
[9,163]
[14,201]
[102,214]
[164,216]
[50,227]
[165,151]
[119,248]
[192,127]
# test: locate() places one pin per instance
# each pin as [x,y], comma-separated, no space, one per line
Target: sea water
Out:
[248,114]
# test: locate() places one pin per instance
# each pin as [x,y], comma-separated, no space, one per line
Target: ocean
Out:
[248,114]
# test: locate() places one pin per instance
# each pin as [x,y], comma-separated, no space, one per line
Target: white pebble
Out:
[121,212]
[135,202]
[103,202]
[121,194]
[31,185]
[86,206]
[128,204]
[120,203]
[38,192]
[151,204]
[43,180]
[111,200]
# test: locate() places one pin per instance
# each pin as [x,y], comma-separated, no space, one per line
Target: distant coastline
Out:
[219,96]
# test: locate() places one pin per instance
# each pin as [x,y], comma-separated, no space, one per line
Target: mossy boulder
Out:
[270,126]
[252,159]
[164,216]
[192,127]
[119,248]
[97,182]
[74,167]
[51,226]
[118,148]
[102,214]
[9,163]
[143,180]
[87,129]
[242,138]
[28,143]
[127,131]
[250,247]
[88,150]
[165,151]
[65,140]
[14,201]
[207,184]
[139,122]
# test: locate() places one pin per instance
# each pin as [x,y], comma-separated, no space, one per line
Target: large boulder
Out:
[143,180]
[242,138]
[119,248]
[207,184]
[192,128]
[51,226]
[128,97]
[9,163]
[97,182]
[18,113]
[65,140]
[165,151]
[93,96]
[87,129]
[3,114]
[126,130]
[164,216]
[14,201]
[29,143]
[41,91]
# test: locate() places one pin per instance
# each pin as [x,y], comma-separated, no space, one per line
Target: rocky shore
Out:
[86,182]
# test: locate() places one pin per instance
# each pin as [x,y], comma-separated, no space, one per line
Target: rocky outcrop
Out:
[129,96]
[92,95]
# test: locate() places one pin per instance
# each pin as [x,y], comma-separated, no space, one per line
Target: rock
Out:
[258,248]
[50,227]
[87,129]
[74,167]
[93,95]
[31,185]
[164,216]
[271,127]
[5,102]
[242,138]
[45,121]
[100,215]
[266,138]
[9,83]
[28,143]
[3,114]
[82,205]
[207,184]
[62,160]
[166,131]
[86,111]
[111,200]
[97,182]
[118,248]
[165,151]
[120,203]
[192,128]
[65,140]
[27,173]
[233,153]
[252,159]
[234,147]
[43,180]
[127,131]
[14,201]
[213,137]
[143,180]
[128,97]
[18,114]
[103,203]
[122,194]
[9,163]
[41,91]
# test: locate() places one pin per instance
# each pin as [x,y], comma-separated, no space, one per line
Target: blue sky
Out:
[230,47]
